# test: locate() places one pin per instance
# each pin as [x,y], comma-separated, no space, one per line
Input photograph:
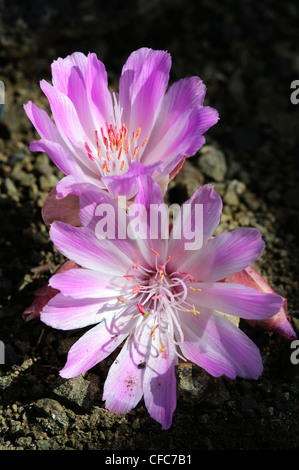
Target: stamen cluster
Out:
[112,146]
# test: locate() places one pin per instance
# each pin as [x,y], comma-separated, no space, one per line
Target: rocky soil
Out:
[247,54]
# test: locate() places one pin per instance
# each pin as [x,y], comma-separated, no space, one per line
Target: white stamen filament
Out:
[114,146]
[159,299]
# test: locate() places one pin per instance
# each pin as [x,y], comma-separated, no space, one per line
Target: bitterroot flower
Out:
[161,299]
[99,136]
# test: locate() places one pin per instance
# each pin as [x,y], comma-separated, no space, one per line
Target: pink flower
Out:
[109,139]
[280,322]
[160,297]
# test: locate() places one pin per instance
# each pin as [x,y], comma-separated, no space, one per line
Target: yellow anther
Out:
[138,132]
[135,316]
[137,289]
[163,350]
[125,130]
[122,300]
[153,331]
[97,143]
[196,312]
[105,167]
[114,140]
[135,152]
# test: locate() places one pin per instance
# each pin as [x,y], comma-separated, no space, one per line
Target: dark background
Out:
[247,55]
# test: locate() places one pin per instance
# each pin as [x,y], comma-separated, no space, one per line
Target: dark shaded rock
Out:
[195,386]
[77,393]
[53,418]
[23,442]
[47,407]
[47,444]
[212,163]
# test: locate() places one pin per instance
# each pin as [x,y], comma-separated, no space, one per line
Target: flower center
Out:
[159,296]
[113,149]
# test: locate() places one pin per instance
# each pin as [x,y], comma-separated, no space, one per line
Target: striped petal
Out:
[123,388]
[67,313]
[226,254]
[82,246]
[234,299]
[159,379]
[91,348]
[217,345]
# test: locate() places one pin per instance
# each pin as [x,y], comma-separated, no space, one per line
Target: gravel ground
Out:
[247,54]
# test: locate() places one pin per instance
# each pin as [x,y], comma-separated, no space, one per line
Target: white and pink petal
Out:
[62,69]
[69,125]
[98,94]
[90,349]
[194,224]
[102,215]
[61,157]
[82,246]
[181,122]
[224,255]
[142,86]
[66,313]
[123,388]
[235,299]
[43,123]
[127,183]
[159,384]
[85,283]
[69,77]
[220,347]
[149,222]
